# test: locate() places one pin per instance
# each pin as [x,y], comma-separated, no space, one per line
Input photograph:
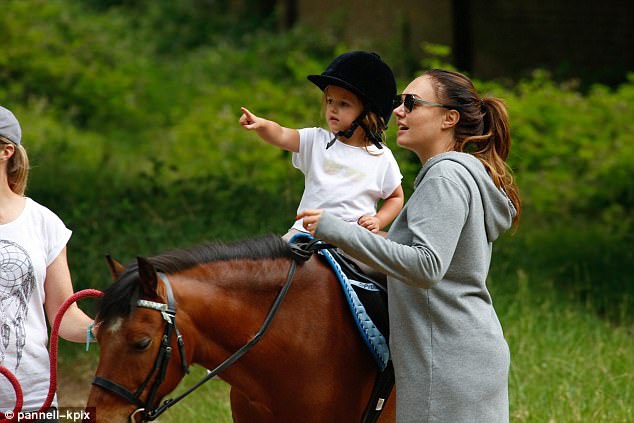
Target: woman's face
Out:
[421,130]
[342,108]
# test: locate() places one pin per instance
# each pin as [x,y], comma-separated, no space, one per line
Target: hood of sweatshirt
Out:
[498,208]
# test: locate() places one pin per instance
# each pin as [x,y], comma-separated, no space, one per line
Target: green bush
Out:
[134,141]
[573,152]
[573,157]
[134,138]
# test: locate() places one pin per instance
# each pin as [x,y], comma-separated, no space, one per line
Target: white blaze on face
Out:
[115,325]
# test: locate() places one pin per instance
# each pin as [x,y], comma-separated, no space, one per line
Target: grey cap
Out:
[9,126]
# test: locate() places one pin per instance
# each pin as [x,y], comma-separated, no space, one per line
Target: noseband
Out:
[168,311]
[160,364]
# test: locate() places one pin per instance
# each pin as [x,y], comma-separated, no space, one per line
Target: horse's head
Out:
[137,337]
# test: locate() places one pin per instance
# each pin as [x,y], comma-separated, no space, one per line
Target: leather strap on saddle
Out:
[302,247]
[381,392]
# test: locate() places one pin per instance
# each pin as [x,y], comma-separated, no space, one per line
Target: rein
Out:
[160,364]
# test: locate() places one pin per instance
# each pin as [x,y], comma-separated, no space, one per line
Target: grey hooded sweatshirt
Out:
[450,356]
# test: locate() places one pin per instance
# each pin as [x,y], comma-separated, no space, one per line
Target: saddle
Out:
[367,301]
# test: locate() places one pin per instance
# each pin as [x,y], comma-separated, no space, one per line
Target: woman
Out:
[449,353]
[34,277]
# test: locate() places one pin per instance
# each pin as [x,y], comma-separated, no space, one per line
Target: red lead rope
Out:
[53,357]
[18,394]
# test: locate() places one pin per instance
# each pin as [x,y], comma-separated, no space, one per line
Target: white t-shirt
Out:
[345,180]
[27,246]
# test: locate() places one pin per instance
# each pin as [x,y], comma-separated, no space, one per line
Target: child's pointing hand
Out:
[248,120]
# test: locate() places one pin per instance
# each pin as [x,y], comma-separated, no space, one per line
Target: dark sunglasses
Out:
[410,101]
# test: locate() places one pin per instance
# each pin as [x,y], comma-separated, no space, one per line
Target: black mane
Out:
[120,298]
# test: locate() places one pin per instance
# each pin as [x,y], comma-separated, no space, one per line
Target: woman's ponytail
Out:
[17,168]
[493,154]
[483,129]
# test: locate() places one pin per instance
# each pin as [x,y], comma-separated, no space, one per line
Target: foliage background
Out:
[130,115]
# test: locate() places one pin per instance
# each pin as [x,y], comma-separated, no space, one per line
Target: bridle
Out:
[168,311]
[145,410]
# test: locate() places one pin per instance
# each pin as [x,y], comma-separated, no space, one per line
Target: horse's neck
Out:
[226,302]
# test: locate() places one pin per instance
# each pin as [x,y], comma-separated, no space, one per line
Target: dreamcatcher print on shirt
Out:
[17,281]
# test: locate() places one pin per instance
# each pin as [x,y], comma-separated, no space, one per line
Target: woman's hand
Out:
[371,223]
[311,219]
[95,329]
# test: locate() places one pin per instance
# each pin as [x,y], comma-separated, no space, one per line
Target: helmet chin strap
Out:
[348,132]
[375,138]
[372,136]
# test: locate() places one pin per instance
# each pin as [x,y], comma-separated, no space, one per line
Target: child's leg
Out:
[291,233]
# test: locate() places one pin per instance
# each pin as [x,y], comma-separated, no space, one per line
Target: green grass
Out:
[567,364]
[209,403]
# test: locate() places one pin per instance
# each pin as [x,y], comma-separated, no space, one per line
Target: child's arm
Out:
[390,208]
[271,132]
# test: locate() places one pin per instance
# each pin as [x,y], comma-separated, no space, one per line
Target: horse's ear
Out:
[148,278]
[116,268]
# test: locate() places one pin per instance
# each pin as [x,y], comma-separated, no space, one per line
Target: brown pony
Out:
[310,365]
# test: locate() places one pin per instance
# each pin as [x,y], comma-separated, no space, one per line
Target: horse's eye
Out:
[142,344]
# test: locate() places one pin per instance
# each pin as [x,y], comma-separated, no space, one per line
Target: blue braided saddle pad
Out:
[370,333]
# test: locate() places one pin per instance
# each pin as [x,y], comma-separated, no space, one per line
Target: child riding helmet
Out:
[369,77]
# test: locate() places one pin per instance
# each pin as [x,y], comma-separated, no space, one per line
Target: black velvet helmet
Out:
[366,75]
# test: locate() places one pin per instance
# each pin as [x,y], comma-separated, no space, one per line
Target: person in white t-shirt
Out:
[34,277]
[348,169]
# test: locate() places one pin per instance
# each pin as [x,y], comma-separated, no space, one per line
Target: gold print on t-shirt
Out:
[350,174]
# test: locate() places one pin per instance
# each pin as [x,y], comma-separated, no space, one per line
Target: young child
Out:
[348,169]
